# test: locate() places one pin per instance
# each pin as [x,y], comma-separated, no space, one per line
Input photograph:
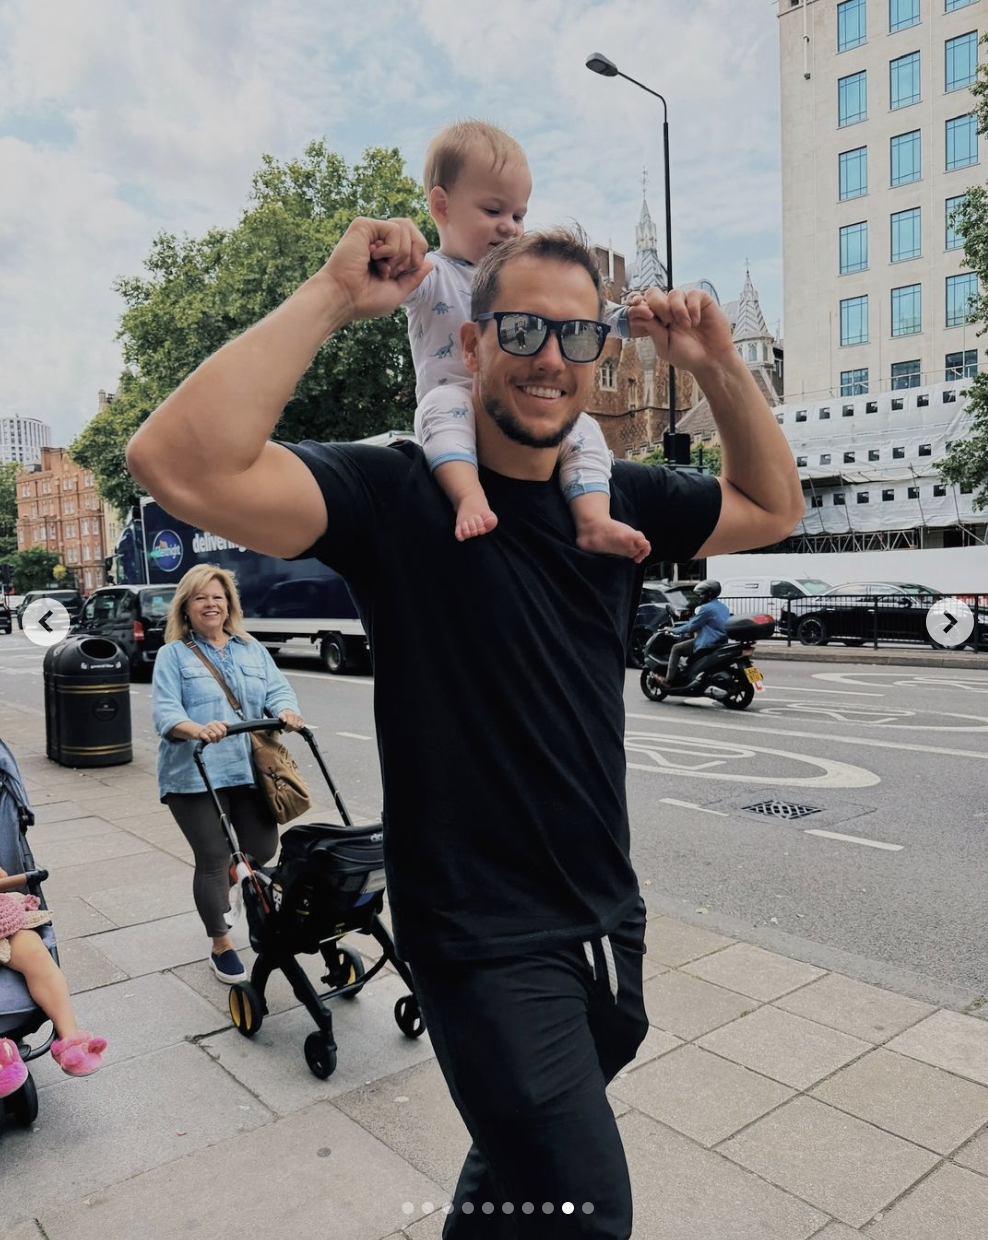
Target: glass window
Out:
[800,415]
[848,458]
[823,414]
[939,490]
[898,454]
[961,60]
[853,168]
[853,248]
[907,310]
[907,158]
[854,320]
[907,240]
[800,460]
[839,499]
[817,501]
[824,458]
[874,454]
[903,13]
[962,365]
[904,81]
[960,290]
[905,375]
[962,142]
[888,494]
[852,99]
[957,4]
[854,382]
[852,20]
[913,492]
[954,239]
[863,497]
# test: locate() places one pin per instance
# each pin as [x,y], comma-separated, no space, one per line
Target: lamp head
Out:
[599,63]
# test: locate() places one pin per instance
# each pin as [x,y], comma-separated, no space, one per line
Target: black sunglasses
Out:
[523,335]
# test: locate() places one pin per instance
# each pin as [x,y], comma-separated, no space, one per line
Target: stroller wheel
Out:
[408,1017]
[246,1009]
[320,1055]
[23,1104]
[349,969]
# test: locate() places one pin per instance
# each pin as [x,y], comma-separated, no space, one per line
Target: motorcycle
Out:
[725,673]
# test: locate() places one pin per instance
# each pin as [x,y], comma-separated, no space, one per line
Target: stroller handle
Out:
[250,725]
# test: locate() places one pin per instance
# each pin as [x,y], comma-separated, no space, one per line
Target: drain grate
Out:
[782,809]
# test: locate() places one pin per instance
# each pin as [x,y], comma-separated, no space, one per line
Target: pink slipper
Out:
[13,1069]
[79,1055]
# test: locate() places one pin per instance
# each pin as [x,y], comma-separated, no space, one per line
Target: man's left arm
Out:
[762,501]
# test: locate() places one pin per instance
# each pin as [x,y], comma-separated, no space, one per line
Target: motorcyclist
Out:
[708,624]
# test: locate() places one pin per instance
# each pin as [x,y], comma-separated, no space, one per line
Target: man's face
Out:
[534,400]
[485,207]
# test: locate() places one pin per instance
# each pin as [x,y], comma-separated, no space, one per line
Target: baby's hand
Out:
[638,315]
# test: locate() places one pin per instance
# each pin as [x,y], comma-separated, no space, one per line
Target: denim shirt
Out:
[708,623]
[185,689]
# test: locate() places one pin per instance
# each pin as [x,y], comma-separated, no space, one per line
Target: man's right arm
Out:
[205,454]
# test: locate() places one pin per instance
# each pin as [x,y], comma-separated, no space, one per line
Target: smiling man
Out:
[499,669]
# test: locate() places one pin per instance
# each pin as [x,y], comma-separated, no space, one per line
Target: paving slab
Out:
[657,1042]
[272,1064]
[46,836]
[94,847]
[912,1099]
[674,943]
[430,1228]
[839,1231]
[786,1048]
[753,971]
[951,1205]
[841,1164]
[684,1192]
[74,918]
[687,1007]
[152,946]
[25,1231]
[856,1008]
[948,1040]
[108,1127]
[413,1114]
[312,1176]
[699,1094]
[56,811]
[85,967]
[140,902]
[93,876]
[975,1154]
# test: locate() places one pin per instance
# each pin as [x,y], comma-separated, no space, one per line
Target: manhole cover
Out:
[782,809]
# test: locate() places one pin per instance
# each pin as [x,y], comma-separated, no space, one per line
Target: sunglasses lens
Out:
[580,340]
[521,334]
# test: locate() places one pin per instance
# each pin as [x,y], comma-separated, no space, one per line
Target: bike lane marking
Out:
[853,839]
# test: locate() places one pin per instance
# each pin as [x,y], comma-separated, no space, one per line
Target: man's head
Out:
[535,400]
[478,184]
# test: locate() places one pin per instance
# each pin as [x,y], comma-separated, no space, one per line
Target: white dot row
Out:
[507,1207]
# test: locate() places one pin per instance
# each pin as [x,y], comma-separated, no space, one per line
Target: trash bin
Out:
[87,703]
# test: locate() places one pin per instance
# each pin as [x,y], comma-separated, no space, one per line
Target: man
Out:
[708,624]
[499,676]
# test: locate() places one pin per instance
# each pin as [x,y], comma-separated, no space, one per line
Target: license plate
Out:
[754,675]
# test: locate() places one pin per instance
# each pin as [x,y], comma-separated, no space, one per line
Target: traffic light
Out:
[6,577]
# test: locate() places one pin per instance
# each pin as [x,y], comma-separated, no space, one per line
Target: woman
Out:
[189,705]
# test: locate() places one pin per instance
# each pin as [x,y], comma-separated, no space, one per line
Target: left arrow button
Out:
[43,621]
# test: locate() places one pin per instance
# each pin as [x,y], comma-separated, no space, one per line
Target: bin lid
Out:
[81,655]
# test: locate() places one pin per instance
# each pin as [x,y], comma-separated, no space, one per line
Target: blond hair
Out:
[177,626]
[449,149]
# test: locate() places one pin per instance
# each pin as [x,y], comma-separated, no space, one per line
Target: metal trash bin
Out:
[87,703]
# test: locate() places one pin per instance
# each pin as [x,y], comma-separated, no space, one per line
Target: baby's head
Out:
[478,183]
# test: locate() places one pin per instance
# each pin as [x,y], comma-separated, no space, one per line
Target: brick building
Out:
[59,509]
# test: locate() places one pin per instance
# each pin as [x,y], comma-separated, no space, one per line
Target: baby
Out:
[21,949]
[478,183]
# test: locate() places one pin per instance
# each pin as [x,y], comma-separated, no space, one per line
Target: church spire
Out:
[647,272]
[750,322]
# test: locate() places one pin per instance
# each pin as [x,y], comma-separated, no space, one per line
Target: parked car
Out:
[133,616]
[662,602]
[860,610]
[71,600]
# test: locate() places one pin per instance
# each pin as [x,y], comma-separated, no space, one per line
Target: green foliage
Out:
[966,464]
[8,509]
[198,293]
[34,569]
[708,455]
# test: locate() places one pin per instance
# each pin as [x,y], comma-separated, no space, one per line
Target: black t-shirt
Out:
[499,680]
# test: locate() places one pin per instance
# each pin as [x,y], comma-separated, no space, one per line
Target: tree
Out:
[966,464]
[8,508]
[34,569]
[706,455]
[199,293]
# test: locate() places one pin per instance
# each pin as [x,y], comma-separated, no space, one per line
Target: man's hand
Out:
[375,265]
[689,329]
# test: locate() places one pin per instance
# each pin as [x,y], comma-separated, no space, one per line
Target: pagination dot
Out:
[567,1207]
[588,1207]
[407,1208]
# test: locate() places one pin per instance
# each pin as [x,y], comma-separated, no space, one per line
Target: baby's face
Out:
[485,207]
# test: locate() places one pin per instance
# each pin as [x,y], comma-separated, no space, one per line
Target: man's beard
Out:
[509,425]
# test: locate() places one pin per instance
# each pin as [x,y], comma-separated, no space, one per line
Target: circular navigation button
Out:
[950,622]
[45,621]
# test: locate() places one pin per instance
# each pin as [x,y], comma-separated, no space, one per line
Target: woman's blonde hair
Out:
[177,626]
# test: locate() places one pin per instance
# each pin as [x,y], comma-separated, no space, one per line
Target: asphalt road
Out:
[875,864]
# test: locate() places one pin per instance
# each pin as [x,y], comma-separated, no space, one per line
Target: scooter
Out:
[725,673]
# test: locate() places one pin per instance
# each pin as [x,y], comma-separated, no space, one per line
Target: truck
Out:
[283,600]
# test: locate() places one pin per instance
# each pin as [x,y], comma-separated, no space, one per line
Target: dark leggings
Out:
[256,830]
[527,1046]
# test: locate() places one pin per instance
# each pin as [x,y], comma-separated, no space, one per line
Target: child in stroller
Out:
[33,988]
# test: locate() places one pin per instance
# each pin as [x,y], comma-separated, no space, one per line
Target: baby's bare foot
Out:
[610,537]
[473,518]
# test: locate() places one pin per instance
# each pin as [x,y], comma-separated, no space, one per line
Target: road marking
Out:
[356,736]
[843,692]
[853,839]
[328,679]
[689,805]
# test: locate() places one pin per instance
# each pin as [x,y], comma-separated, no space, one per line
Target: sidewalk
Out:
[771,1100]
[884,656]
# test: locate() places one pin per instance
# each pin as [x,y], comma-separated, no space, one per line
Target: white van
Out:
[745,595]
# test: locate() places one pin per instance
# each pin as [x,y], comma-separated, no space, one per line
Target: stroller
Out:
[328,881]
[20,1016]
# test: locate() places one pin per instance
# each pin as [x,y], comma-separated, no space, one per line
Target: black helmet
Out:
[707,590]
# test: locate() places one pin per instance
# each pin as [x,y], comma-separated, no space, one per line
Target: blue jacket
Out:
[184,688]
[708,623]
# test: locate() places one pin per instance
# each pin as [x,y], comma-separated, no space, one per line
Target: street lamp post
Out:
[673,444]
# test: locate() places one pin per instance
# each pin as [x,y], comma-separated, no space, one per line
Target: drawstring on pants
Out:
[608,953]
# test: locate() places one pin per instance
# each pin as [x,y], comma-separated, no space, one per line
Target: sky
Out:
[123,118]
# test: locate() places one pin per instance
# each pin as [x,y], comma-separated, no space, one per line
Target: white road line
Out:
[356,736]
[844,693]
[328,679]
[689,805]
[854,839]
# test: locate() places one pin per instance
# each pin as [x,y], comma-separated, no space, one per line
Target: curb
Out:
[893,658]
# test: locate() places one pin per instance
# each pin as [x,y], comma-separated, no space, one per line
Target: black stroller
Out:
[20,1016]
[328,881]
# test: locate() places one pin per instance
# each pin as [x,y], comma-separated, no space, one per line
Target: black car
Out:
[6,621]
[662,602]
[859,611]
[133,616]
[71,600]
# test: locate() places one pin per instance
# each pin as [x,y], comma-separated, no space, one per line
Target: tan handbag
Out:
[279,779]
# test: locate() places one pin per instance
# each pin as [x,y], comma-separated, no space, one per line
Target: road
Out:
[874,860]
